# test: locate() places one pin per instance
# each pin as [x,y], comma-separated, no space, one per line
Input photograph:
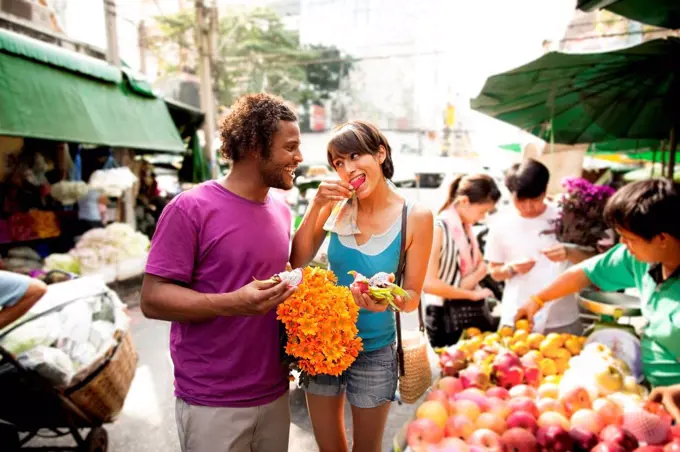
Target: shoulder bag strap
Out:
[399,281]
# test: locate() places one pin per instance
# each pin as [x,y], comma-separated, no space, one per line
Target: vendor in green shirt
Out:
[646,215]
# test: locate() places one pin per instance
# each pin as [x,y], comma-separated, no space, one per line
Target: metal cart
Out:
[31,407]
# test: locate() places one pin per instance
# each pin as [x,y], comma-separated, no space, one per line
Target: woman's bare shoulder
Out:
[420,215]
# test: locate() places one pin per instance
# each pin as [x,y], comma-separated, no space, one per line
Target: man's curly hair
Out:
[251,124]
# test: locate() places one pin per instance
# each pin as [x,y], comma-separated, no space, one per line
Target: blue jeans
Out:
[369,382]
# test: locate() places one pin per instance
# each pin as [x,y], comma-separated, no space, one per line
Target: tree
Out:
[255,52]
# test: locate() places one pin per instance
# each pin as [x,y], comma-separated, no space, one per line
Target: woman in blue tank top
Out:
[361,156]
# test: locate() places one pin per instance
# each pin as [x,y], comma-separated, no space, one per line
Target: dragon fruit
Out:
[293,278]
[647,427]
[380,287]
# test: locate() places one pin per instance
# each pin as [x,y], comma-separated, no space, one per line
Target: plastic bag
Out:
[540,320]
[24,252]
[76,320]
[100,333]
[82,354]
[50,363]
[41,331]
[343,218]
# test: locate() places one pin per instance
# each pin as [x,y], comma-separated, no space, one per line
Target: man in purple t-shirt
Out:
[210,244]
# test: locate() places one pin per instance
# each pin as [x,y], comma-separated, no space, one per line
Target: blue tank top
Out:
[379,254]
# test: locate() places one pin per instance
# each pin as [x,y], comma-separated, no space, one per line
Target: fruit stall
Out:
[514,390]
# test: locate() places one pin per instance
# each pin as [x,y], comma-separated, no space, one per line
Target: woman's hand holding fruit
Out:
[365,301]
[332,191]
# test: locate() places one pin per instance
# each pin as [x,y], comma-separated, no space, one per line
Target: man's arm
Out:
[36,289]
[610,271]
[163,299]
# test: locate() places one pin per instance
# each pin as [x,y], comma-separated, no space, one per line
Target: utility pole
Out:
[113,57]
[141,37]
[206,31]
[110,17]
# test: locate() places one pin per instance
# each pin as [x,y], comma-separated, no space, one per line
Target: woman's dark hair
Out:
[528,180]
[479,188]
[363,138]
[646,208]
[251,124]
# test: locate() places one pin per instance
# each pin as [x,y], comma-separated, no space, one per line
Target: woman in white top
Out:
[456,265]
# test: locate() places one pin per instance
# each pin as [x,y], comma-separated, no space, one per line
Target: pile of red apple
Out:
[529,419]
[503,369]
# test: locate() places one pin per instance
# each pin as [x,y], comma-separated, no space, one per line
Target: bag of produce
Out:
[63,262]
[44,330]
[24,252]
[69,192]
[112,182]
[50,363]
[76,320]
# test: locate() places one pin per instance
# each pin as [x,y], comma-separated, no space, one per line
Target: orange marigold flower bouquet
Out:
[320,325]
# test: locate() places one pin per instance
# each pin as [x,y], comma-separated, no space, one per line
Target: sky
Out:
[479,37]
[493,35]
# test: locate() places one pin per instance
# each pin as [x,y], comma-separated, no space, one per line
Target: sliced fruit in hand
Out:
[380,287]
[293,278]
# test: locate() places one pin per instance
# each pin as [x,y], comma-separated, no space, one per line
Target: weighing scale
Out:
[621,338]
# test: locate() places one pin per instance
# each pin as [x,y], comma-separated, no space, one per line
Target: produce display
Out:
[32,225]
[112,182]
[520,391]
[45,224]
[101,247]
[23,259]
[69,192]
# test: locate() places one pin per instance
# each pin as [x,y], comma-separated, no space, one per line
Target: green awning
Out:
[662,13]
[187,118]
[50,93]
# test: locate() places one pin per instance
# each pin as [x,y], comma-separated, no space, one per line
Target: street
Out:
[147,423]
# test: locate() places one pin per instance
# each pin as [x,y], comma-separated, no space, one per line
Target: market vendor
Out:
[646,215]
[18,293]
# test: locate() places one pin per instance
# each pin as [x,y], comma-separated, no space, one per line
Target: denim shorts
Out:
[369,382]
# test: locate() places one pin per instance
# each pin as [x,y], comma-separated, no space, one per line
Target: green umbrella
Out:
[662,13]
[646,173]
[628,94]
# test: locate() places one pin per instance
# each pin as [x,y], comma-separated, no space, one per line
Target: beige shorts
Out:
[219,429]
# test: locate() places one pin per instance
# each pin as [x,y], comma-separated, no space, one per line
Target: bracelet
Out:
[538,301]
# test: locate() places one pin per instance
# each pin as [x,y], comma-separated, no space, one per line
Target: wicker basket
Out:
[417,376]
[102,393]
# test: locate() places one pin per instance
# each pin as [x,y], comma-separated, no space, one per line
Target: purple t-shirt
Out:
[216,242]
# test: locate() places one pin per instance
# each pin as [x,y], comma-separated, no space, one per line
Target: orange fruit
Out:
[562,365]
[573,345]
[506,331]
[523,325]
[534,340]
[562,353]
[472,332]
[548,367]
